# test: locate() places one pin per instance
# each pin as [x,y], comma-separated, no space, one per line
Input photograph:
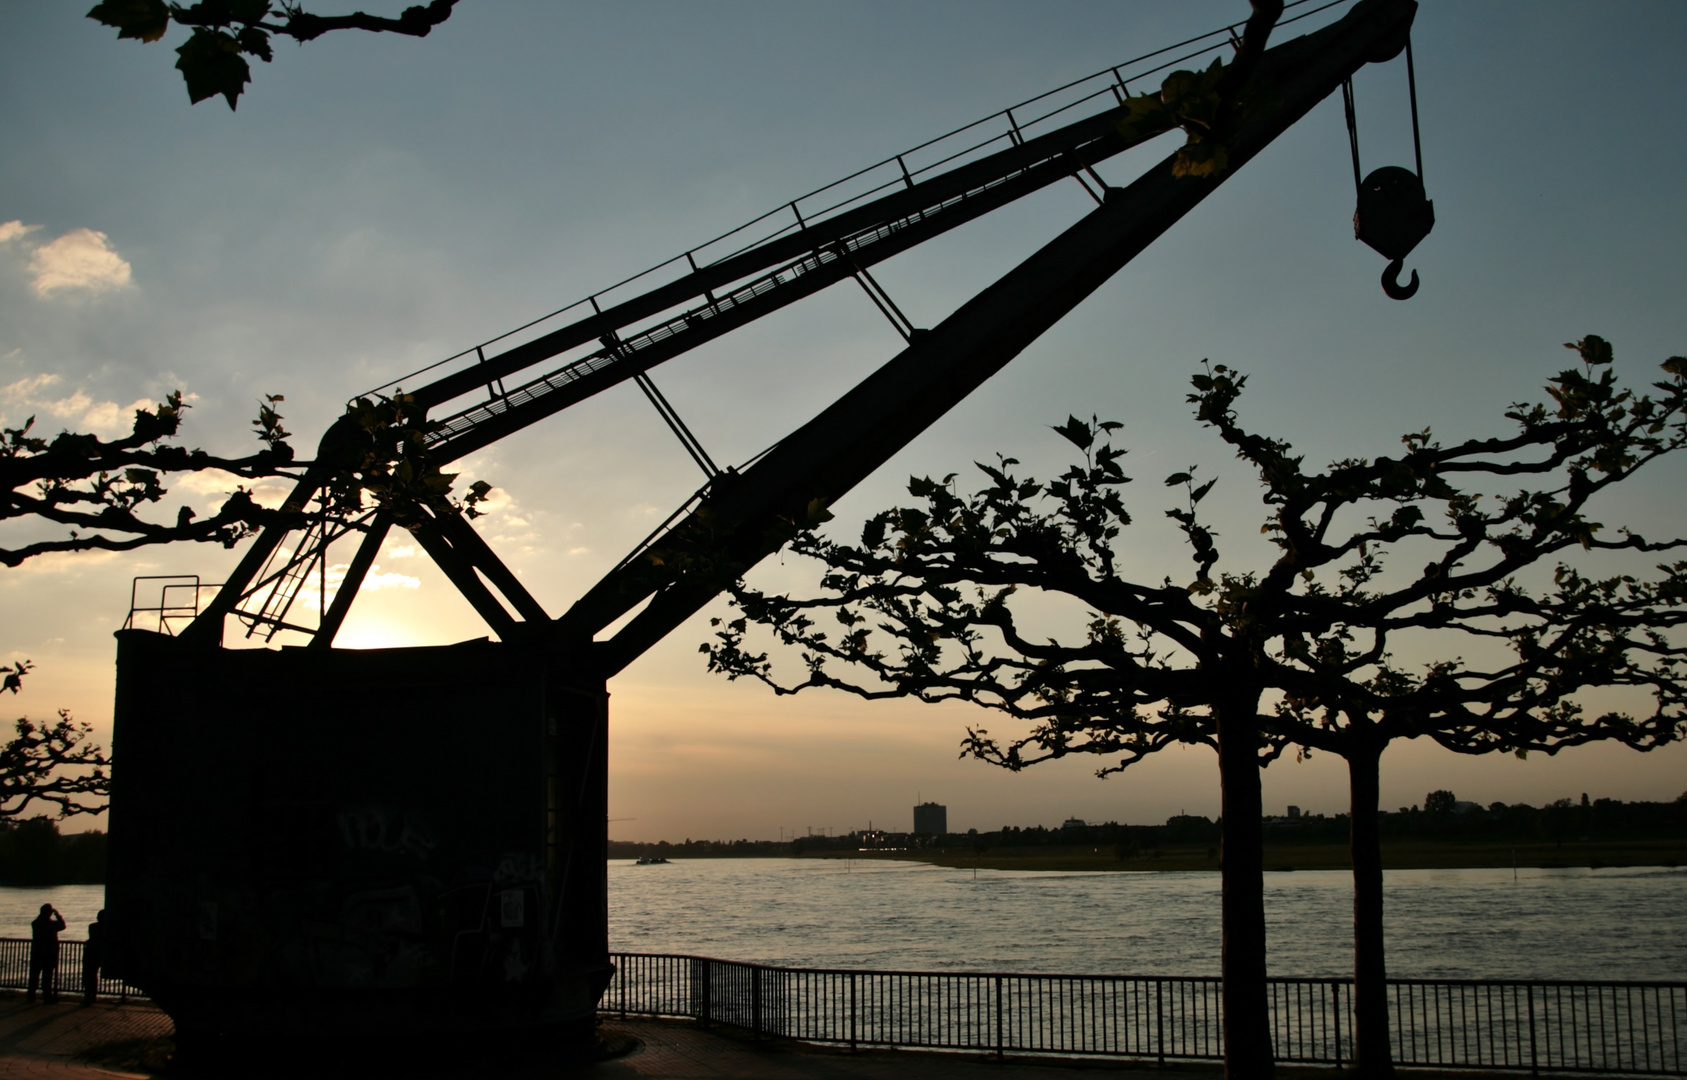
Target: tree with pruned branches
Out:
[1308,651]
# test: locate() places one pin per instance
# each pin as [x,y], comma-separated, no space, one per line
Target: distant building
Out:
[931,819]
[1074,823]
[1294,811]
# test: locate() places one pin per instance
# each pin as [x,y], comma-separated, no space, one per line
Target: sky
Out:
[378,203]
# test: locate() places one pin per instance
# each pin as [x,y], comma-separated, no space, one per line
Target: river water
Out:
[1545,924]
[1568,924]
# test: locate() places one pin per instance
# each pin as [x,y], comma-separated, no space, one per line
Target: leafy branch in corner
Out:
[225,32]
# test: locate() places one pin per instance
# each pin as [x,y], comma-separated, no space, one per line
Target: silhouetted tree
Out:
[224,32]
[1521,655]
[51,763]
[924,607]
[1439,802]
[96,488]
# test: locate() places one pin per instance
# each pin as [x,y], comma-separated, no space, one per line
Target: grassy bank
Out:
[1397,855]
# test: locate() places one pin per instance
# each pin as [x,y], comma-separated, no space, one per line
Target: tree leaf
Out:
[248,11]
[1198,159]
[1076,432]
[255,42]
[143,20]
[873,533]
[1177,478]
[211,64]
[1594,350]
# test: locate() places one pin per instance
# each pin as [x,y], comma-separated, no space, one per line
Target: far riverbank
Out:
[1407,855]
[1396,855]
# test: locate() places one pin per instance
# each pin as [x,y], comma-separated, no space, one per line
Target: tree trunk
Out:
[1371,1052]
[1247,1028]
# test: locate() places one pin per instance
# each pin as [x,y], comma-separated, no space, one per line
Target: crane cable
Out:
[1353,119]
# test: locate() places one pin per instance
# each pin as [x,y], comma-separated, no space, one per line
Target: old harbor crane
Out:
[405,842]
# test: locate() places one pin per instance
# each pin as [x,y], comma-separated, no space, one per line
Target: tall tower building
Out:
[931,819]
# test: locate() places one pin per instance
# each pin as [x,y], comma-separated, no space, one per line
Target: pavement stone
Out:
[686,1051]
[39,1041]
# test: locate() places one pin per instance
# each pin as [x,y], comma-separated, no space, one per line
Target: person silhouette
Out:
[44,953]
[92,958]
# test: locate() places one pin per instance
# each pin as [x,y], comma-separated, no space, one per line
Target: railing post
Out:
[708,970]
[1335,993]
[852,1011]
[1160,1019]
[755,1001]
[1534,1062]
[1001,1035]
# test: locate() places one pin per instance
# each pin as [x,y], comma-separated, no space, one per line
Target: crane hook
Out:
[1391,281]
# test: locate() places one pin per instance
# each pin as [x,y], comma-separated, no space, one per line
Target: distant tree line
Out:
[34,852]
[1440,817]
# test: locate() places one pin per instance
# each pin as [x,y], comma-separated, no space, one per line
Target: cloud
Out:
[497,500]
[80,259]
[109,416]
[29,396]
[375,581]
[27,388]
[207,482]
[401,551]
[12,230]
[310,596]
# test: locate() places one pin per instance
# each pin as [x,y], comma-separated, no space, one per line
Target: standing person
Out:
[44,953]
[92,958]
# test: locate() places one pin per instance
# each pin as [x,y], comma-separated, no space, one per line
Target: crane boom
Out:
[860,431]
[475,405]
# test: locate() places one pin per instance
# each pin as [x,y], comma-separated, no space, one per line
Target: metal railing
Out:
[14,971]
[172,603]
[1538,1026]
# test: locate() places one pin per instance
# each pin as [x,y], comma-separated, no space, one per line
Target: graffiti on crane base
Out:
[512,908]
[518,868]
[378,829]
[383,912]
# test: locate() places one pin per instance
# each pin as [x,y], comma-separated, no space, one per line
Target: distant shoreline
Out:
[1400,855]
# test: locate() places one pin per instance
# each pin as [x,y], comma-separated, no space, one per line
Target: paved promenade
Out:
[69,1041]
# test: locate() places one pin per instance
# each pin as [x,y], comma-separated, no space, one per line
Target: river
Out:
[1545,924]
[1569,924]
